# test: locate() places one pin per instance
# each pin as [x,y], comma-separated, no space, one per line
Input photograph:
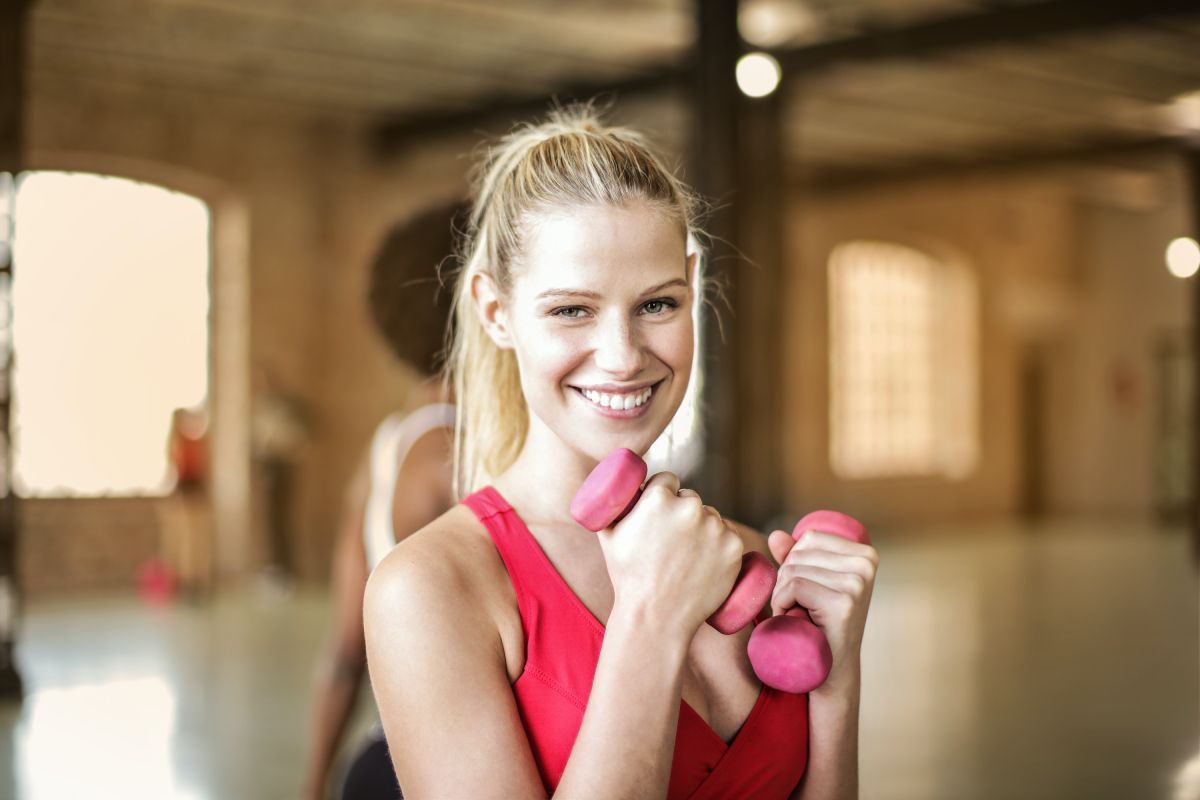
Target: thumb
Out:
[780,543]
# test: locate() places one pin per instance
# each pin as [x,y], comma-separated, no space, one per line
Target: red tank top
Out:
[766,758]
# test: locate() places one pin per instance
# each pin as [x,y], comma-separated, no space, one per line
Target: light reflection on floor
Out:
[1000,661]
[101,731]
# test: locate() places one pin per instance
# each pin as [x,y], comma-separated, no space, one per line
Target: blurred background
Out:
[957,239]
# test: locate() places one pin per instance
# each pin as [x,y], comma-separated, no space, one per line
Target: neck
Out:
[543,479]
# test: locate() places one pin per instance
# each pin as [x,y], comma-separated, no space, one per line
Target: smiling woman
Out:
[514,653]
[581,322]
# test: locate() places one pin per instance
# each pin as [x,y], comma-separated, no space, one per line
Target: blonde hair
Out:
[571,159]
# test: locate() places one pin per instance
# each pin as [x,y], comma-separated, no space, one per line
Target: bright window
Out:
[903,363]
[110,330]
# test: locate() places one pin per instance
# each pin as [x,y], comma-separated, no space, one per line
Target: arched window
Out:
[110,330]
[904,363]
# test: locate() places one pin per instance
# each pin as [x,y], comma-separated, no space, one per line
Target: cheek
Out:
[550,353]
[679,346]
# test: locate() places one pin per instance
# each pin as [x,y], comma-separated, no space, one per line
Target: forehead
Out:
[597,246]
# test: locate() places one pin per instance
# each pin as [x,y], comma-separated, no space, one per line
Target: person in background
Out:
[403,481]
[279,429]
[186,544]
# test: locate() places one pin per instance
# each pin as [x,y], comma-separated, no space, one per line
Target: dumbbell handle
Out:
[789,652]
[613,489]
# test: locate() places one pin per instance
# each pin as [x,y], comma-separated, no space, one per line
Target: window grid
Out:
[902,363]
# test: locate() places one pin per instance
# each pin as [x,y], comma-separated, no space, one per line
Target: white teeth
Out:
[619,402]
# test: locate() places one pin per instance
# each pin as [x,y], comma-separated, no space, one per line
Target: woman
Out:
[513,654]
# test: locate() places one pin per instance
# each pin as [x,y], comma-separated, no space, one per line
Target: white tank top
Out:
[394,437]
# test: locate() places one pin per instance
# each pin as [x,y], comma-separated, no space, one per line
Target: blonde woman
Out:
[514,654]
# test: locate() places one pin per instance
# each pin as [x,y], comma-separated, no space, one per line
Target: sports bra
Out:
[765,759]
[394,437]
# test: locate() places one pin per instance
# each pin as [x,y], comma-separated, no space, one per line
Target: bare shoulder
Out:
[427,472]
[436,631]
[441,564]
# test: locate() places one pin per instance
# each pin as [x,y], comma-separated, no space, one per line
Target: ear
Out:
[491,310]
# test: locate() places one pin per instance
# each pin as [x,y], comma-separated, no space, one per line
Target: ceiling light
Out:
[1183,257]
[757,74]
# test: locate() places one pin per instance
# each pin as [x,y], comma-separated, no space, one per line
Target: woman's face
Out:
[600,318]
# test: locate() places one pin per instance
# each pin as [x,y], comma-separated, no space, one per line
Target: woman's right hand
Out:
[672,556]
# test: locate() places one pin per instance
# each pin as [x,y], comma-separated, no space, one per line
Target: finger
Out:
[688,493]
[845,582]
[780,544]
[667,480]
[805,593]
[837,544]
[838,562]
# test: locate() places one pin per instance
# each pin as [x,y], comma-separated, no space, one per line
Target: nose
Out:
[619,350]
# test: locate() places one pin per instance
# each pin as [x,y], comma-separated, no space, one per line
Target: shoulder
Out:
[448,569]
[429,462]
[436,560]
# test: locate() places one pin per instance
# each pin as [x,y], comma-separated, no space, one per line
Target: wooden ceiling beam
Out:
[997,25]
[1094,150]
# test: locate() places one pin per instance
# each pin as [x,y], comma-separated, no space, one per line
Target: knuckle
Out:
[659,489]
[733,543]
[843,603]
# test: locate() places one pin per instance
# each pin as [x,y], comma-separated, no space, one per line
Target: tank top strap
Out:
[513,542]
[393,439]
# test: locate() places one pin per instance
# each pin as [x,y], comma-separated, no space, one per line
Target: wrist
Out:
[639,618]
[843,686]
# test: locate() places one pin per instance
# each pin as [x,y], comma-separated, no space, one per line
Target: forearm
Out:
[627,738]
[832,772]
[337,691]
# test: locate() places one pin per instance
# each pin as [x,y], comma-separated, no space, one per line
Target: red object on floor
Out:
[156,584]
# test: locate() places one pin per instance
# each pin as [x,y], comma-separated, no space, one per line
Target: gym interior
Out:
[956,248]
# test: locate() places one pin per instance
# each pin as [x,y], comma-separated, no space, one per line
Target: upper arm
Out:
[440,679]
[349,578]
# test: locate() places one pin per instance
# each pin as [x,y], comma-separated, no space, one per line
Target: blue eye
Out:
[569,312]
[659,306]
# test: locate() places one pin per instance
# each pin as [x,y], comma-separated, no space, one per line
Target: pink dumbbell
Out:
[613,488]
[788,652]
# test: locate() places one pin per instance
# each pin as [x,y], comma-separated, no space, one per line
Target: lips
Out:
[618,403]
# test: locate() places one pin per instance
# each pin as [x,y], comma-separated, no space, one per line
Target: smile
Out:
[618,403]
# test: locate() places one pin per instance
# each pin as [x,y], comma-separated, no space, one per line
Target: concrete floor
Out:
[1001,661]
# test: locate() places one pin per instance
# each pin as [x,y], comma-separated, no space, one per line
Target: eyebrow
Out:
[554,293]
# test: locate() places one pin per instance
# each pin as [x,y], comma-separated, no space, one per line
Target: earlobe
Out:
[490,309]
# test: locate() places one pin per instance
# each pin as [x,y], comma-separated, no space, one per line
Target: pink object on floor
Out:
[156,584]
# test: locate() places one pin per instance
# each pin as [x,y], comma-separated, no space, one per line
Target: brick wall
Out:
[85,544]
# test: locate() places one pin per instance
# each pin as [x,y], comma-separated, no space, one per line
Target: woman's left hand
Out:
[832,578]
